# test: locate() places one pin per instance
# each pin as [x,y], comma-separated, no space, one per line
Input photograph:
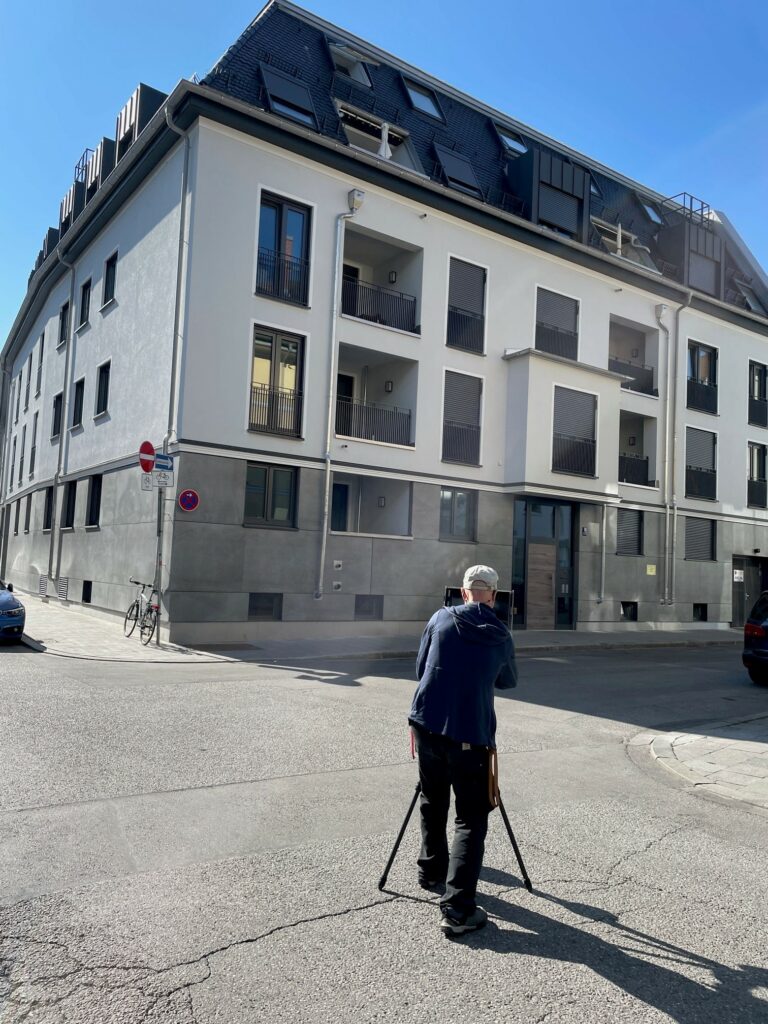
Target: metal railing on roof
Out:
[688,206]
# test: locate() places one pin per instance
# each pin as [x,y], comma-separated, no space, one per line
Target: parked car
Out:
[12,614]
[755,654]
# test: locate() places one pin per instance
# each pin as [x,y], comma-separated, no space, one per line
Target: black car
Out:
[755,654]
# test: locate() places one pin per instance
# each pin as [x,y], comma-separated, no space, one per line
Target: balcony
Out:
[702,396]
[758,412]
[556,341]
[281,276]
[461,443]
[372,422]
[573,455]
[757,494]
[370,505]
[465,329]
[700,483]
[633,469]
[275,411]
[642,376]
[378,304]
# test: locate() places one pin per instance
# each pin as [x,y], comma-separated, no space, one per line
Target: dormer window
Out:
[651,211]
[289,97]
[511,141]
[458,171]
[753,304]
[423,99]
[350,63]
[622,243]
[377,137]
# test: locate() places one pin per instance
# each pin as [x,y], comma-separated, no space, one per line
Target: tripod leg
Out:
[523,872]
[401,833]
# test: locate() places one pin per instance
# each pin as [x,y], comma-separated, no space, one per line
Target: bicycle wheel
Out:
[131,618]
[147,625]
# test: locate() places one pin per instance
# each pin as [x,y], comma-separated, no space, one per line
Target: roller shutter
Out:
[574,413]
[629,532]
[558,209]
[700,539]
[462,398]
[466,287]
[699,448]
[556,310]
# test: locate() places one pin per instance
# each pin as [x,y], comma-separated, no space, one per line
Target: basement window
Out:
[622,243]
[378,138]
[458,171]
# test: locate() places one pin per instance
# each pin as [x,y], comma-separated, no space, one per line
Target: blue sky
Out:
[673,94]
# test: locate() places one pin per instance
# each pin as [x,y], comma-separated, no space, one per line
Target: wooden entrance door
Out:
[540,586]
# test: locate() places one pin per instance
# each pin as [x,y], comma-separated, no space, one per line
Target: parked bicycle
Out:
[143,610]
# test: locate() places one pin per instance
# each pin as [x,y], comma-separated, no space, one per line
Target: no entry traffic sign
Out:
[189,500]
[147,456]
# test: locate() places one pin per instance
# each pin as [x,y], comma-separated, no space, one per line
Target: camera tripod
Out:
[401,833]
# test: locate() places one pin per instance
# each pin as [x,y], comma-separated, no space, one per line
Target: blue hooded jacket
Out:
[464,652]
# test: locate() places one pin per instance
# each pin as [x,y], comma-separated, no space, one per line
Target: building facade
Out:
[385,332]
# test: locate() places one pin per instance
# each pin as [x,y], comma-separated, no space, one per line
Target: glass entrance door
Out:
[542,573]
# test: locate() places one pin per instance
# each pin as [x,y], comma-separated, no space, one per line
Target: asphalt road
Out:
[203,844]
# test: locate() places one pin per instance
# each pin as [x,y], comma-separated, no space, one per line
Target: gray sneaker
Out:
[453,924]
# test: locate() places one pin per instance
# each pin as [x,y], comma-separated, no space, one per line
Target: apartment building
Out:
[385,331]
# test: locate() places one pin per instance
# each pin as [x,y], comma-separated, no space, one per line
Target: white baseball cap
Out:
[480,574]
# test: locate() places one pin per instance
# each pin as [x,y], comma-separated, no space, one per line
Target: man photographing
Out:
[464,653]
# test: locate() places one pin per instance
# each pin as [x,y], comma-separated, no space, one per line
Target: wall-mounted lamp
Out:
[393,277]
[635,353]
[755,551]
[631,440]
[388,385]
[382,501]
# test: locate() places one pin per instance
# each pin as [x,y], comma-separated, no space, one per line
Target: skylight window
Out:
[423,99]
[350,63]
[622,243]
[289,97]
[511,141]
[458,171]
[652,212]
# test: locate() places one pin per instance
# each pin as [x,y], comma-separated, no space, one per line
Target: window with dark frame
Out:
[18,398]
[270,495]
[16,518]
[85,303]
[29,382]
[77,403]
[458,514]
[13,465]
[458,170]
[702,377]
[68,505]
[21,452]
[93,510]
[574,441]
[629,532]
[276,382]
[265,607]
[48,509]
[282,270]
[102,389]
[757,488]
[557,324]
[758,395]
[110,279]
[28,514]
[350,63]
[56,420]
[700,464]
[63,323]
[290,97]
[462,410]
[39,381]
[511,141]
[33,446]
[423,99]
[700,536]
[466,306]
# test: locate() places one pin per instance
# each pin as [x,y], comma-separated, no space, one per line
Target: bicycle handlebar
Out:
[140,584]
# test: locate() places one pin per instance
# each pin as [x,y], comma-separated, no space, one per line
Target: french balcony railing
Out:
[633,469]
[700,483]
[556,341]
[573,454]
[465,329]
[642,376]
[758,412]
[757,494]
[39,380]
[702,396]
[372,422]
[461,443]
[32,456]
[282,277]
[378,304]
[275,411]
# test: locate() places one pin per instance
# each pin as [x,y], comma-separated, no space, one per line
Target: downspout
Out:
[661,309]
[56,529]
[171,426]
[601,595]
[355,198]
[673,546]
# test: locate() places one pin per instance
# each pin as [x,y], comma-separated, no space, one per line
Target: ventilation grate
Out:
[62,587]
[42,586]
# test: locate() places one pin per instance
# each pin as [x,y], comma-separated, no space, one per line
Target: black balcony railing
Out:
[757,494]
[275,411]
[758,412]
[378,304]
[39,378]
[461,443]
[556,341]
[573,454]
[373,422]
[642,376]
[465,329]
[282,277]
[700,483]
[32,455]
[633,469]
[702,396]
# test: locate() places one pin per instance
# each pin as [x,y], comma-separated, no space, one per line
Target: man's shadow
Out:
[625,962]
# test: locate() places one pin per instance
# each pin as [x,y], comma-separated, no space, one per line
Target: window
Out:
[557,324]
[702,377]
[573,441]
[270,495]
[13,465]
[40,365]
[629,532]
[511,141]
[703,273]
[56,421]
[458,514]
[350,63]
[33,447]
[68,505]
[265,607]
[559,210]
[620,242]
[700,612]
[29,382]
[28,513]
[458,171]
[700,464]
[63,323]
[276,377]
[754,305]
[93,511]
[758,398]
[651,212]
[18,398]
[85,302]
[283,263]
[369,607]
[466,306]
[700,537]
[102,389]
[461,418]
[77,403]
[21,452]
[16,518]
[423,99]
[757,494]
[110,279]
[48,510]
[366,132]
[289,96]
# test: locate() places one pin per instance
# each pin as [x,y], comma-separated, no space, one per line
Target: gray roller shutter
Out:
[466,287]
[574,413]
[458,170]
[289,90]
[556,310]
[702,274]
[700,539]
[558,209]
[462,398]
[629,532]
[699,448]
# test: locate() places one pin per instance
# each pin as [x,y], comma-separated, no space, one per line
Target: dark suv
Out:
[755,653]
